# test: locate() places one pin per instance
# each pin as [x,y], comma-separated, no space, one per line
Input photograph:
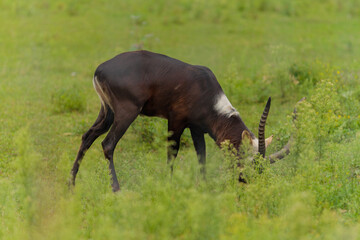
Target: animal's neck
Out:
[229,128]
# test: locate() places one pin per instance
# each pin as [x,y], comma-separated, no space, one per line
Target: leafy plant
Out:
[68,100]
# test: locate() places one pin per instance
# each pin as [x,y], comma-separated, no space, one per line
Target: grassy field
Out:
[286,49]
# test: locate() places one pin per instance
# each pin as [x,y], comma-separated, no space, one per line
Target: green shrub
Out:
[68,100]
[153,133]
[314,193]
[302,74]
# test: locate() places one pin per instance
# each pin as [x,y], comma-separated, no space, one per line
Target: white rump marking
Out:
[224,107]
[103,97]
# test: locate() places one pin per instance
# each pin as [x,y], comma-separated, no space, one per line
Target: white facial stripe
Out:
[223,106]
[255,143]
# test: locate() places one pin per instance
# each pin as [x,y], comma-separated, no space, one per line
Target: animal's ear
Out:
[246,137]
[268,141]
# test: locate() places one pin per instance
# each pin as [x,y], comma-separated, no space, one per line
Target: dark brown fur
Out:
[151,84]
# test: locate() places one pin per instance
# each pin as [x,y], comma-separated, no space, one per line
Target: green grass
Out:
[284,49]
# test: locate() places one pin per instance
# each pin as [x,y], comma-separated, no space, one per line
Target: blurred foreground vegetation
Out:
[284,49]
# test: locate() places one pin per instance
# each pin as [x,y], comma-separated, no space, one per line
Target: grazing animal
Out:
[151,84]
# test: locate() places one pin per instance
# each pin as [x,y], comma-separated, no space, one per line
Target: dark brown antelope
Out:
[188,96]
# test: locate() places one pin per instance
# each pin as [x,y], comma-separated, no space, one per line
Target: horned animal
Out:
[188,96]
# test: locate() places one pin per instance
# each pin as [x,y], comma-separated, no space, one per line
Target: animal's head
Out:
[254,142]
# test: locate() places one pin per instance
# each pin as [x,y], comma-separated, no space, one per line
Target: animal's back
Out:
[161,85]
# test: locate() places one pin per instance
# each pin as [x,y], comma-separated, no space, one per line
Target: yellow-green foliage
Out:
[68,100]
[257,48]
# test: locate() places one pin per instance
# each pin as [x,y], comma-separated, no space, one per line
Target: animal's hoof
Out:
[115,188]
[241,179]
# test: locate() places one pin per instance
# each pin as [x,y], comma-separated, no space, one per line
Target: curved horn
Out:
[264,116]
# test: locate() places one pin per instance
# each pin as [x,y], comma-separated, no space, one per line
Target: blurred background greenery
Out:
[257,48]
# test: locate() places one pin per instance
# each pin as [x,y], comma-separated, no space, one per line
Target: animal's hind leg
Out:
[101,125]
[125,114]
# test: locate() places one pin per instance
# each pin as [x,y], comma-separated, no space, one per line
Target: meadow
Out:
[285,49]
